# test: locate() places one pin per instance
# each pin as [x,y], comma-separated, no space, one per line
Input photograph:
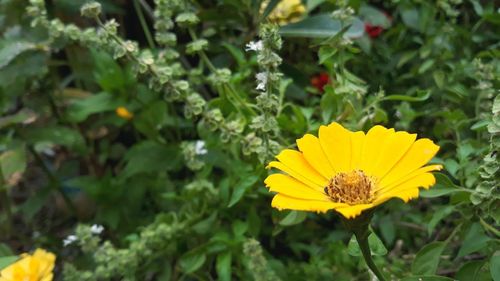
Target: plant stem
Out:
[144,25]
[362,239]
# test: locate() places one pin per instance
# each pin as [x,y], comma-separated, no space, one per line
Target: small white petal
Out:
[96,229]
[199,147]
[254,46]
[69,240]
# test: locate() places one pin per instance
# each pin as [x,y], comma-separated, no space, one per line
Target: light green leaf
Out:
[321,26]
[193,260]
[377,247]
[427,278]
[374,16]
[81,109]
[6,261]
[241,187]
[427,259]
[12,165]
[421,96]
[293,218]
[495,266]
[12,49]
[223,266]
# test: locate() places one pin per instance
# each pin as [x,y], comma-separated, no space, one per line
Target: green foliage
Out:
[212,93]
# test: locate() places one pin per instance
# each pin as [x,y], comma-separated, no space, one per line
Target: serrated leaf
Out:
[427,259]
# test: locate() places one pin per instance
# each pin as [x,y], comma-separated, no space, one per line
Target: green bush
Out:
[156,119]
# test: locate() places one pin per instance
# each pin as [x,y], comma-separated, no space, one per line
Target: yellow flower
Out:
[351,171]
[124,113]
[36,267]
[287,11]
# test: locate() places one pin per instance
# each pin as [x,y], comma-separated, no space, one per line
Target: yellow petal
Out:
[336,143]
[418,155]
[430,168]
[375,137]
[281,202]
[314,154]
[289,186]
[351,211]
[391,151]
[296,164]
[408,189]
[357,143]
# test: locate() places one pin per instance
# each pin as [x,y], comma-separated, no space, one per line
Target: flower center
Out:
[353,188]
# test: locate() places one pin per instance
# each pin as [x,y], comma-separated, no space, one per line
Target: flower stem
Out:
[362,239]
[359,226]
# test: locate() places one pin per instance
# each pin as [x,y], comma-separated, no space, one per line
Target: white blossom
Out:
[199,147]
[254,46]
[69,240]
[96,229]
[262,81]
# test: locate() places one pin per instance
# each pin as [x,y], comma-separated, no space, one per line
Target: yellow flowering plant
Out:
[351,173]
[36,267]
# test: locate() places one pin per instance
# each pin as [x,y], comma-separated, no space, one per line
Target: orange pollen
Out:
[353,188]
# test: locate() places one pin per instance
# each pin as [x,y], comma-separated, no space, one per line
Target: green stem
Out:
[362,239]
[55,184]
[144,25]
[8,212]
[359,226]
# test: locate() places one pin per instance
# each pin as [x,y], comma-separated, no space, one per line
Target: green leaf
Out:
[427,259]
[193,260]
[241,187]
[5,250]
[495,266]
[387,229]
[374,16]
[437,216]
[149,157]
[410,18]
[321,26]
[293,218]
[474,240]
[377,247]
[12,165]
[237,53]
[25,115]
[439,78]
[443,186]
[81,109]
[6,261]
[472,271]
[427,278]
[421,96]
[56,135]
[223,266]
[9,51]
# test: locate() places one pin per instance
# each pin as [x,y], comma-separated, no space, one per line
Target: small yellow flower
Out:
[351,171]
[124,113]
[287,11]
[36,267]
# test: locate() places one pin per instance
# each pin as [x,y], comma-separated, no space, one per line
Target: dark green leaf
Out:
[474,240]
[81,109]
[427,278]
[427,259]
[495,267]
[438,216]
[241,187]
[473,271]
[193,260]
